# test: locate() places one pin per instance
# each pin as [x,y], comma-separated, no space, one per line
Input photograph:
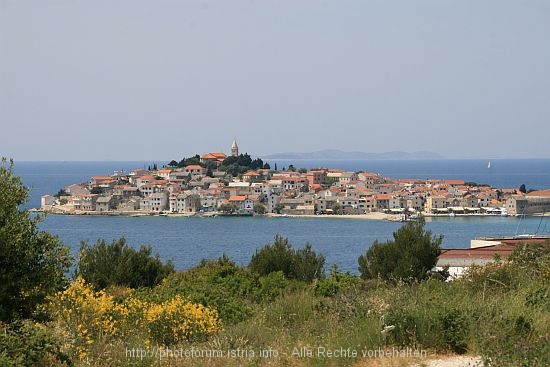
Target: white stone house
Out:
[157,202]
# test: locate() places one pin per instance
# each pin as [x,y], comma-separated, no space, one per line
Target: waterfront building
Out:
[536,202]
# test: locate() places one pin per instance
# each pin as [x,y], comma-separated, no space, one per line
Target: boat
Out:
[489,164]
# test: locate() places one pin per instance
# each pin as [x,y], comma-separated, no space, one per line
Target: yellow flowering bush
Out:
[85,317]
[177,320]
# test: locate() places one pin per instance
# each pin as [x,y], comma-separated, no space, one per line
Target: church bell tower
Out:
[234,149]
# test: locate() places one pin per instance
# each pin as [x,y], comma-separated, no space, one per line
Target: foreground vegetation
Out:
[283,302]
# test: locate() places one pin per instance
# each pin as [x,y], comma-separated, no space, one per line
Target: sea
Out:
[186,241]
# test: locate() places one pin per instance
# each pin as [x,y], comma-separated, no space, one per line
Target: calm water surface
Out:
[188,240]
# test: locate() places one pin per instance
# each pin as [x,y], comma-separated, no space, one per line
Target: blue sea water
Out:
[188,240]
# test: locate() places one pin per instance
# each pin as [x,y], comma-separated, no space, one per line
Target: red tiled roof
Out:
[237,198]
[101,178]
[193,167]
[486,252]
[454,182]
[543,193]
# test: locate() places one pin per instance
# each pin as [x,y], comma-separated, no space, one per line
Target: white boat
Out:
[489,164]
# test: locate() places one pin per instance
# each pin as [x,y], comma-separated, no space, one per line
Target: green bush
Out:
[409,256]
[303,264]
[272,286]
[335,282]
[32,263]
[219,284]
[103,265]
[25,344]
[455,330]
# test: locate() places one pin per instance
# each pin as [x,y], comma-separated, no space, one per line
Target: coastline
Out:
[60,210]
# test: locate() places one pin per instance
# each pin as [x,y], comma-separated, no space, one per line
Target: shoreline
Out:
[367,216]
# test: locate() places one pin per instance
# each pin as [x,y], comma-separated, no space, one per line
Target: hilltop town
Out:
[217,184]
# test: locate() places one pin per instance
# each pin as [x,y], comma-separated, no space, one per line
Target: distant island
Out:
[334,154]
[218,184]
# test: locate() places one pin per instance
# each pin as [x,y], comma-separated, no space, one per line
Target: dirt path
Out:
[454,361]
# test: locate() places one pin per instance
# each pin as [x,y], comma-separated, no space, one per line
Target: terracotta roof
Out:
[237,198]
[543,193]
[193,167]
[209,156]
[251,173]
[486,252]
[219,154]
[454,182]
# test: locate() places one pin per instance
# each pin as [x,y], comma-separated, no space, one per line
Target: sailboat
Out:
[489,164]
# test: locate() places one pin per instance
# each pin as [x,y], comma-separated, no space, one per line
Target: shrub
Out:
[84,317]
[409,256]
[177,320]
[27,344]
[303,264]
[32,263]
[103,265]
[220,284]
[335,282]
[530,252]
[272,285]
[455,330]
[87,319]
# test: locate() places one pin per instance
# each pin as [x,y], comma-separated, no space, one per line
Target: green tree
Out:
[279,207]
[228,208]
[303,264]
[308,265]
[409,256]
[329,181]
[259,209]
[275,257]
[60,193]
[96,190]
[32,263]
[522,188]
[105,264]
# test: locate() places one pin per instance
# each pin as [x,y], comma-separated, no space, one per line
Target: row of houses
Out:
[316,191]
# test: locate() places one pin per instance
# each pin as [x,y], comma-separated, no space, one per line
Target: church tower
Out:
[234,149]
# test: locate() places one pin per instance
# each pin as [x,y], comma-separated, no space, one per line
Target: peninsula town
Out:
[219,184]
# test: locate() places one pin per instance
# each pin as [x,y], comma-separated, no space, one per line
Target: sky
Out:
[165,79]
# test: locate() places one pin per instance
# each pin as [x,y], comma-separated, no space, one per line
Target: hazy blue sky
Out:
[159,79]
